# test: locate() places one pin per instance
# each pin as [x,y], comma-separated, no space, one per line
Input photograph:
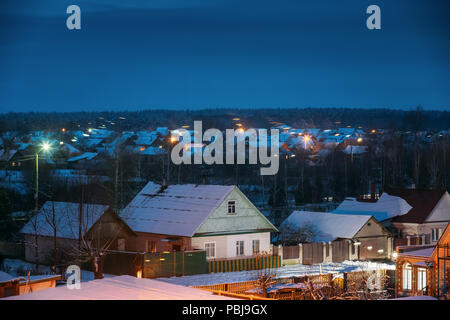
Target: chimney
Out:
[372,191]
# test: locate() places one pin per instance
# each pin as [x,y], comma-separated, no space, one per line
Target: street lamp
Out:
[359,140]
[306,139]
[45,147]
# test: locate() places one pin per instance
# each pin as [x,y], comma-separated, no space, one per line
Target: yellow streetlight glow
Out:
[306,139]
[359,139]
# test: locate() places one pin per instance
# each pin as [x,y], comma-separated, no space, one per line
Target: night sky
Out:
[217,53]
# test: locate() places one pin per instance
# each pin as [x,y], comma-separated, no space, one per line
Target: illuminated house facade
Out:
[424,270]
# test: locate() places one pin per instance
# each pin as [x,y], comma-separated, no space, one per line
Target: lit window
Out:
[436,234]
[239,248]
[255,246]
[407,276]
[210,248]
[421,279]
[231,207]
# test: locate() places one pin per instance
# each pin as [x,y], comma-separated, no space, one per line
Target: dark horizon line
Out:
[199,109]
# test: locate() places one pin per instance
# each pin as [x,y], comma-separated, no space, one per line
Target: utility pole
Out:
[36,195]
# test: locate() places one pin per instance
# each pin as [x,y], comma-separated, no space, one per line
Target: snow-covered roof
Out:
[6,155]
[177,210]
[92,142]
[4,277]
[424,252]
[162,130]
[153,151]
[69,148]
[329,226]
[122,288]
[386,207]
[86,156]
[355,149]
[66,219]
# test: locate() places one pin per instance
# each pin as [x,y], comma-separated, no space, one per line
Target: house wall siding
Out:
[247,217]
[226,244]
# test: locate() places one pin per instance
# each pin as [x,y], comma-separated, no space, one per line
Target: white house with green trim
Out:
[217,218]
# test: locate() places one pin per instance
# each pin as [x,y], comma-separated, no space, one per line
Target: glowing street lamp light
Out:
[46,146]
[306,139]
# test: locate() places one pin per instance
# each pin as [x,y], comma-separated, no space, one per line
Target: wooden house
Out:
[216,218]
[424,270]
[71,227]
[370,240]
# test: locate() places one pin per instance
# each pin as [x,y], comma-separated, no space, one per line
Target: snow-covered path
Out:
[297,270]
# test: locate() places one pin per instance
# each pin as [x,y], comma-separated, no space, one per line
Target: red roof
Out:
[422,202]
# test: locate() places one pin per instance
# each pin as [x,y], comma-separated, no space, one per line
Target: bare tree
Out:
[292,234]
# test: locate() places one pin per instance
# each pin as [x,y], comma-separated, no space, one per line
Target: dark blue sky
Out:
[223,53]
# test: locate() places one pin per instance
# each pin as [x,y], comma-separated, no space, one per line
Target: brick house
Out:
[424,270]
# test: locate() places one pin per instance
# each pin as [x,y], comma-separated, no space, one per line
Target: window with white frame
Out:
[239,248]
[436,234]
[407,276]
[210,248]
[421,279]
[232,207]
[255,246]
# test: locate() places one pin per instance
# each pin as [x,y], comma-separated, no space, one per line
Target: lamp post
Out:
[359,140]
[306,139]
[45,148]
[172,140]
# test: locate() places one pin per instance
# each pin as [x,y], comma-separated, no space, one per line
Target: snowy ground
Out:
[297,270]
[14,267]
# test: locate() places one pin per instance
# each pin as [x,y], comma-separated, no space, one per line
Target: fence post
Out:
[300,253]
[324,251]
[344,286]
[280,253]
[330,252]
[408,239]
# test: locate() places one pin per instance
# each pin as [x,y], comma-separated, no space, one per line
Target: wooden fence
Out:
[291,252]
[244,264]
[323,280]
